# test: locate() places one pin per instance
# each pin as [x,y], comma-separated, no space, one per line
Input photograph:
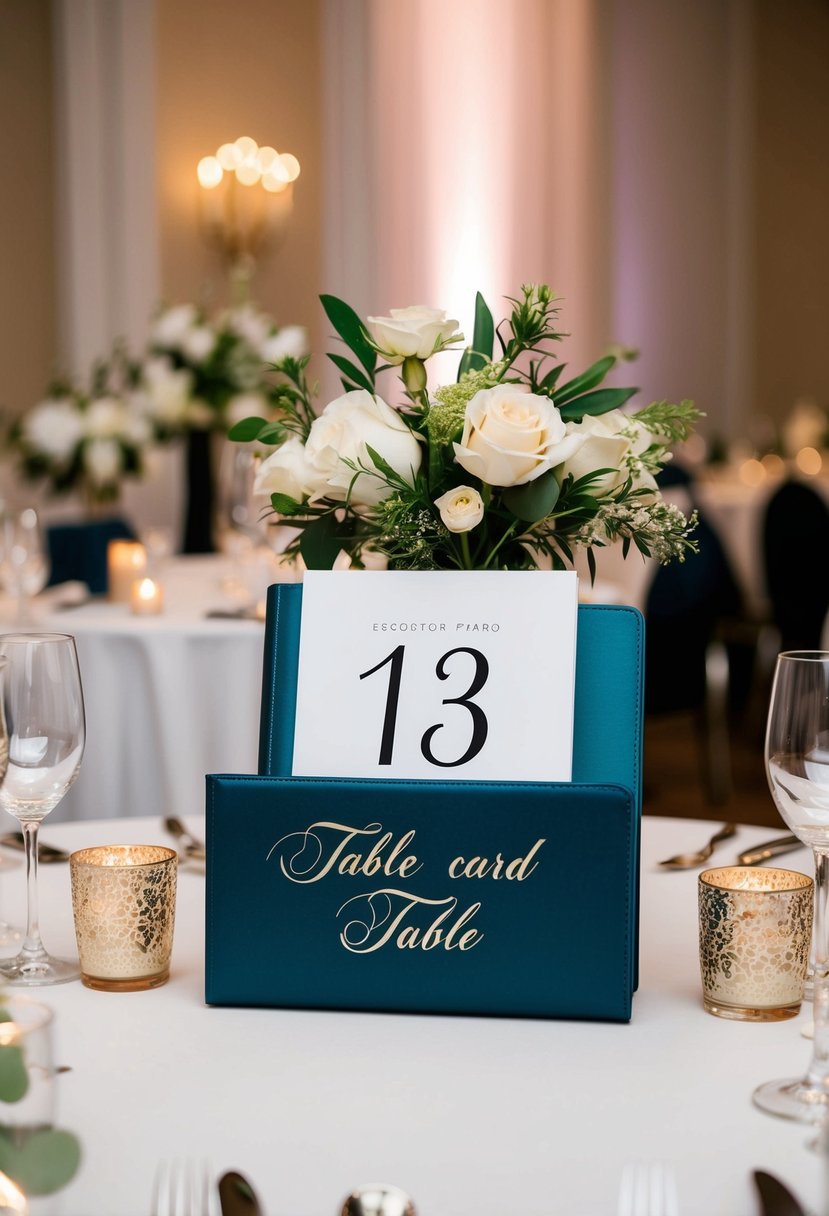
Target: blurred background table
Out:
[168,697]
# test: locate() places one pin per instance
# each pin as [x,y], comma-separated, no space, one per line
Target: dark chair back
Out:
[796,556]
[79,551]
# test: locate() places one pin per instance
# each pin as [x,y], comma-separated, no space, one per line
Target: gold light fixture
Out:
[245,202]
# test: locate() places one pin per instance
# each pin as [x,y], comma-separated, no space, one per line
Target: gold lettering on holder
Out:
[481,867]
[314,857]
[385,912]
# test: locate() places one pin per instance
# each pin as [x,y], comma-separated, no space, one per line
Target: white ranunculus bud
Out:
[292,340]
[172,326]
[345,430]
[416,330]
[103,461]
[461,509]
[54,428]
[511,436]
[288,471]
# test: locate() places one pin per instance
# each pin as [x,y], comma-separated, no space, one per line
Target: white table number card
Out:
[437,675]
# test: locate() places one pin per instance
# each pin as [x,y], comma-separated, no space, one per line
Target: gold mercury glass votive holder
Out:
[124,903]
[755,933]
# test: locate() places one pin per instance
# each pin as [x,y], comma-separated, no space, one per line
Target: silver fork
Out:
[648,1189]
[183,1188]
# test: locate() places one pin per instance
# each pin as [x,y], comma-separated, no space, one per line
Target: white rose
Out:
[172,326]
[250,324]
[292,340]
[416,330]
[607,442]
[287,471]
[461,509]
[345,430]
[511,436]
[168,390]
[103,461]
[105,418]
[54,427]
[197,344]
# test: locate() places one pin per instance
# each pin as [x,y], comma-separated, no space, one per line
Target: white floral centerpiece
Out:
[82,442]
[511,467]
[202,373]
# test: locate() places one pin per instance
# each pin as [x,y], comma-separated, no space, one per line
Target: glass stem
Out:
[32,945]
[818,1074]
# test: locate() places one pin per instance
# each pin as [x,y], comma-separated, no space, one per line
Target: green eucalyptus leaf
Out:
[598,402]
[44,1163]
[247,430]
[534,500]
[14,1079]
[587,380]
[320,542]
[350,328]
[353,377]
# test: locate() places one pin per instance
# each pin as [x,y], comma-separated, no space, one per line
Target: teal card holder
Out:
[608,714]
[498,898]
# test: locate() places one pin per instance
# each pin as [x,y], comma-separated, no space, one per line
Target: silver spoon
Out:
[377,1199]
[687,861]
[193,848]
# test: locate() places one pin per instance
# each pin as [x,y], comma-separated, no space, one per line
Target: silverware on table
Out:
[687,861]
[194,849]
[377,1199]
[46,853]
[237,1197]
[770,848]
[775,1198]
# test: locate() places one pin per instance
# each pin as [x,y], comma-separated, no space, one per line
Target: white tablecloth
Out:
[483,1115]
[168,698]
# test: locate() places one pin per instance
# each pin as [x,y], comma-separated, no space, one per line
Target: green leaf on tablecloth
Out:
[14,1079]
[44,1163]
[320,542]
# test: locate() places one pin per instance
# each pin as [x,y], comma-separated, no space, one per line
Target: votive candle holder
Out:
[124,900]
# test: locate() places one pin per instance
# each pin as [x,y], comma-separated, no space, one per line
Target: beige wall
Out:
[225,70]
[27,182]
[791,240]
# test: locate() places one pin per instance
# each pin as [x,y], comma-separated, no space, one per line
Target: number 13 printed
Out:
[480,726]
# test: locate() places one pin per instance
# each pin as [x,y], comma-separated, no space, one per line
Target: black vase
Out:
[198,516]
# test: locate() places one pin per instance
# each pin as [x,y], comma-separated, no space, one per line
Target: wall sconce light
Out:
[245,202]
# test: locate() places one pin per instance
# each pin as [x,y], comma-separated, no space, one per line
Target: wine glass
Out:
[24,564]
[8,935]
[797,766]
[44,712]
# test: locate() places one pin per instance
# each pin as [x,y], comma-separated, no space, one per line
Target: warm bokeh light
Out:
[265,157]
[752,473]
[228,156]
[273,184]
[248,174]
[774,465]
[247,148]
[210,172]
[809,461]
[290,165]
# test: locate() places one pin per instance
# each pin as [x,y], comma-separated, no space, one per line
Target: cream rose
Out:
[607,442]
[54,427]
[511,436]
[103,461]
[461,509]
[345,430]
[287,471]
[415,331]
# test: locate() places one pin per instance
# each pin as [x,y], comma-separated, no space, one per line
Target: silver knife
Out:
[771,848]
[775,1198]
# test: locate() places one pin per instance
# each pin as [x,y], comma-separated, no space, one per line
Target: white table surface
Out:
[491,1116]
[169,697]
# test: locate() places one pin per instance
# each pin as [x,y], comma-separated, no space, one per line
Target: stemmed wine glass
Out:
[797,766]
[43,703]
[8,935]
[24,564]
